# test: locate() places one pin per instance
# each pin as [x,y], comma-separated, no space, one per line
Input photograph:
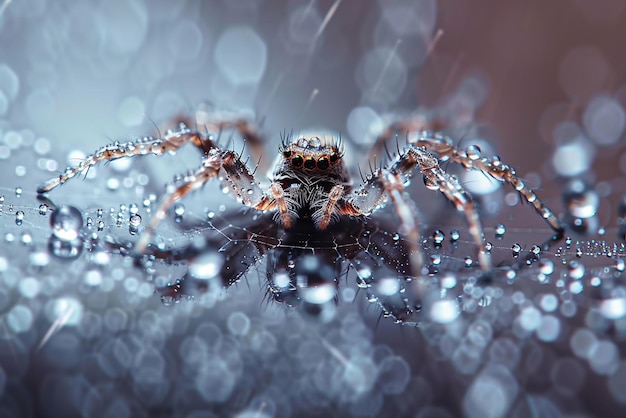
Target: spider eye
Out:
[309,163]
[297,160]
[323,163]
[333,157]
[286,153]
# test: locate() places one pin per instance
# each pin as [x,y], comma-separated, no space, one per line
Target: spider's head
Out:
[312,153]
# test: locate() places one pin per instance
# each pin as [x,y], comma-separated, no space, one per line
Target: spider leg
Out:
[241,182]
[390,181]
[149,145]
[444,148]
[371,195]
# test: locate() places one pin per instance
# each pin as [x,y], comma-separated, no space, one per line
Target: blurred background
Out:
[542,85]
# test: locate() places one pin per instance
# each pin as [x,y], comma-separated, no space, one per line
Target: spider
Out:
[310,183]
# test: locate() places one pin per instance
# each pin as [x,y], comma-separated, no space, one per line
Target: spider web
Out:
[567,301]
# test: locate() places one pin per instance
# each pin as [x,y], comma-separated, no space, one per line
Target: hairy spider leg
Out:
[172,141]
[391,181]
[444,148]
[241,184]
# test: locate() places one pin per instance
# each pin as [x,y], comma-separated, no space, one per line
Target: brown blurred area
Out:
[520,46]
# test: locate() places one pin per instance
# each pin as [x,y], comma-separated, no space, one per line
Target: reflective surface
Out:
[90,330]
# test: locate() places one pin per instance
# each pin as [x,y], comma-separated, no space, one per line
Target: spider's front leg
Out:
[390,181]
[443,147]
[172,141]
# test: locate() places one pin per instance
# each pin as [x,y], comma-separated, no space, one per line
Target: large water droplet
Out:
[66,222]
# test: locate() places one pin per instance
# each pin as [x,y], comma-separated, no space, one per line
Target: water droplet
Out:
[179,209]
[65,250]
[395,237]
[135,220]
[576,270]
[500,230]
[516,248]
[473,152]
[43,209]
[66,221]
[39,258]
[435,259]
[535,249]
[206,266]
[580,200]
[431,184]
[619,264]
[488,247]
[468,261]
[455,235]
[438,237]
[546,267]
[18,191]
[19,217]
[210,215]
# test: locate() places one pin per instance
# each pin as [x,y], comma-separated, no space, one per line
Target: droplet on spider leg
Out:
[473,152]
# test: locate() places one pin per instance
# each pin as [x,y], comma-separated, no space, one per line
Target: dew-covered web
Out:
[227,314]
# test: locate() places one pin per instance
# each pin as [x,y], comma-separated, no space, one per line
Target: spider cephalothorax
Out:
[310,183]
[312,178]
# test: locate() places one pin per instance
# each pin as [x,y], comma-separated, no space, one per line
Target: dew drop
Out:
[179,209]
[206,266]
[65,250]
[43,209]
[500,230]
[535,249]
[619,264]
[19,217]
[455,235]
[135,220]
[438,236]
[66,221]
[435,259]
[18,191]
[473,152]
[580,200]
[516,248]
[546,267]
[468,261]
[576,270]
